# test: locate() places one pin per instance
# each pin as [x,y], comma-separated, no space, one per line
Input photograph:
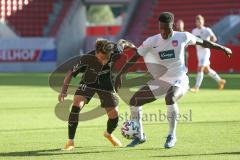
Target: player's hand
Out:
[61,97]
[228,52]
[125,44]
[118,83]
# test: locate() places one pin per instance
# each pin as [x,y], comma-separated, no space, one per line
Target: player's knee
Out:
[200,69]
[112,112]
[206,70]
[79,101]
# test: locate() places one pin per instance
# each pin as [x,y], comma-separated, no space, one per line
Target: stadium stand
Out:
[34,18]
[145,23]
[213,10]
[138,20]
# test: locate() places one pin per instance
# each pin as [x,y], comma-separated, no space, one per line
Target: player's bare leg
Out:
[78,103]
[199,79]
[112,123]
[213,74]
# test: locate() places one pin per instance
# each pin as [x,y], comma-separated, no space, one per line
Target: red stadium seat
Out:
[31,20]
[212,10]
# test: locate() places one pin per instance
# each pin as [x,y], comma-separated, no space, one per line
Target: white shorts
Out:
[159,87]
[203,59]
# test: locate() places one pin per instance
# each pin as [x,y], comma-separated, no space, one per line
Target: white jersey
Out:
[204,33]
[168,54]
[203,54]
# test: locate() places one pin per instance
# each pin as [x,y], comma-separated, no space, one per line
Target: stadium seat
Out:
[30,19]
[213,11]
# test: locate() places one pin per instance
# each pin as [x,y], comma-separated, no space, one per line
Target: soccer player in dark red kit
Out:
[96,78]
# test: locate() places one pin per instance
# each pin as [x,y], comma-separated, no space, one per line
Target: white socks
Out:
[199,79]
[214,75]
[172,113]
[136,115]
[211,73]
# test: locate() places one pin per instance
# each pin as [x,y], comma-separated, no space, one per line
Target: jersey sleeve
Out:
[145,47]
[194,32]
[191,39]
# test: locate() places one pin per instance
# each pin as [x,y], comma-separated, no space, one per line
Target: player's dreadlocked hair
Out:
[166,17]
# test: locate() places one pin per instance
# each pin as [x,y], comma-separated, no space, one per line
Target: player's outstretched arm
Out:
[66,82]
[212,45]
[123,44]
[130,63]
[125,68]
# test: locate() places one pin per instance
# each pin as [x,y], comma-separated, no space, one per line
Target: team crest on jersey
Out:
[175,43]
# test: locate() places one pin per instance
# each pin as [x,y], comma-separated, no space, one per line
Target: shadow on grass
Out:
[54,152]
[58,151]
[201,154]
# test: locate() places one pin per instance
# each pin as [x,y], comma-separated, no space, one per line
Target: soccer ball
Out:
[130,129]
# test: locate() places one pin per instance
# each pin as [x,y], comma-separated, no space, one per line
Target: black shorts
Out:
[107,98]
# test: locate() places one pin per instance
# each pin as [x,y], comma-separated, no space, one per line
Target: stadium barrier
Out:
[102,30]
[219,61]
[27,55]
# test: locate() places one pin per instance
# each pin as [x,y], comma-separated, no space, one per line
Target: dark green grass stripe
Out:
[97,126]
[190,103]
[197,154]
[38,79]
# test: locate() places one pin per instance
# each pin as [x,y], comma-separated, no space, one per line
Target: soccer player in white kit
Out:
[164,53]
[203,55]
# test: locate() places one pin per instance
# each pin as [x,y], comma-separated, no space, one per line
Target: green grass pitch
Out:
[29,128]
